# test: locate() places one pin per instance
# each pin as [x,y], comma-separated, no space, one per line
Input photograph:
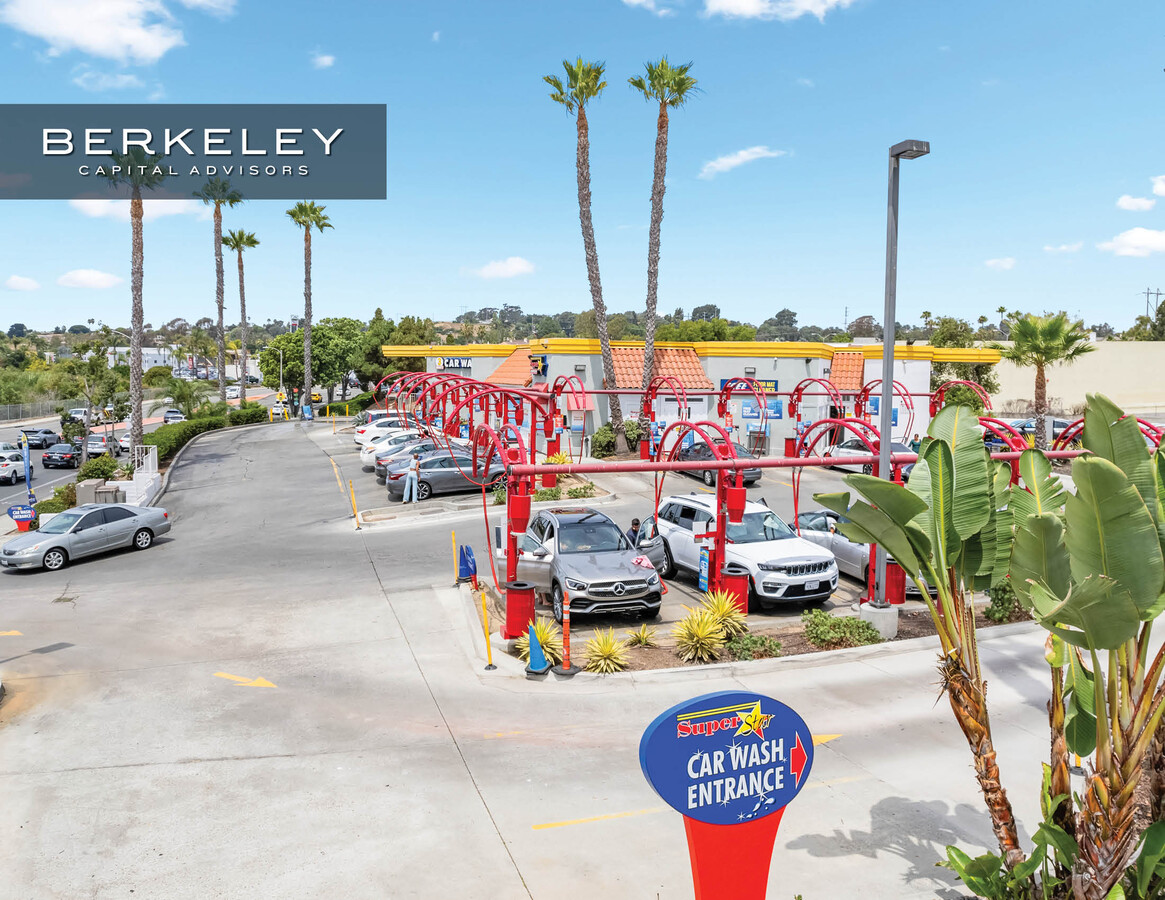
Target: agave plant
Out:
[722,606]
[699,636]
[605,653]
[549,638]
[643,636]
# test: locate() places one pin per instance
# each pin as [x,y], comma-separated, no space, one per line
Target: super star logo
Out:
[754,722]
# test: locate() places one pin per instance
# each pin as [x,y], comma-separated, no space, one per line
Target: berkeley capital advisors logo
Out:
[333,151]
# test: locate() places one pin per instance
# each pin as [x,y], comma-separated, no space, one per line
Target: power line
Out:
[1156,295]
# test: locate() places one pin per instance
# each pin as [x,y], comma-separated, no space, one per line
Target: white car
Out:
[233,392]
[781,566]
[857,447]
[365,433]
[124,441]
[388,442]
[11,467]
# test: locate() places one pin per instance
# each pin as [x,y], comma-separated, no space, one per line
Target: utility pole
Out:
[1156,295]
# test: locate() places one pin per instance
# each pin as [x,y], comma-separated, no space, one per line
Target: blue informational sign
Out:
[703,585]
[689,439]
[21,513]
[776,408]
[769,387]
[728,757]
[749,408]
[464,430]
[875,405]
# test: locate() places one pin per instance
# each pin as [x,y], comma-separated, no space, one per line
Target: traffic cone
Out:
[538,664]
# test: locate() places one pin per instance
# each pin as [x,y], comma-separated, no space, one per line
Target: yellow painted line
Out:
[603,818]
[819,739]
[243,681]
[9,633]
[787,483]
[336,469]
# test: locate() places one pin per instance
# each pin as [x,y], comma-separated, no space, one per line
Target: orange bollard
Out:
[566,668]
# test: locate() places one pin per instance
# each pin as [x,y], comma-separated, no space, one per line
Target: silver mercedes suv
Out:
[583,552]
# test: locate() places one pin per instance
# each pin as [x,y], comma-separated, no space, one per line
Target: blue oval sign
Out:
[728,757]
[21,513]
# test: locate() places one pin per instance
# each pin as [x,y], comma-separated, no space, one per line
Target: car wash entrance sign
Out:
[730,763]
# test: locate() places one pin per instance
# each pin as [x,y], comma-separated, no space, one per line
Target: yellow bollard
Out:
[456,579]
[333,424]
[489,650]
[345,409]
[352,494]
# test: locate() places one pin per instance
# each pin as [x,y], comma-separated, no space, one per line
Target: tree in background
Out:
[17,330]
[291,343]
[308,214]
[584,83]
[86,374]
[216,192]
[139,171]
[239,240]
[187,396]
[952,332]
[781,327]
[369,363]
[669,86]
[344,335]
[866,326]
[1042,342]
[705,312]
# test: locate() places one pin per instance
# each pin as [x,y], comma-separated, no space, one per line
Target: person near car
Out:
[915,443]
[633,533]
[414,473]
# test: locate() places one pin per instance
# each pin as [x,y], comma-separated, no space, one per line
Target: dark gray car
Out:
[84,531]
[40,437]
[443,472]
[579,550]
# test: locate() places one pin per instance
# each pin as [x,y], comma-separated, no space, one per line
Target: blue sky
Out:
[1038,194]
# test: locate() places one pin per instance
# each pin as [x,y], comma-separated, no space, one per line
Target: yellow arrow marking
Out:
[245,682]
[819,739]
[8,633]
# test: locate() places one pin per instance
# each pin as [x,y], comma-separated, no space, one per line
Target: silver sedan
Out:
[85,531]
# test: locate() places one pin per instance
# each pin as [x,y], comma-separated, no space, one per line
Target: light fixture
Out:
[910,149]
[750,370]
[581,367]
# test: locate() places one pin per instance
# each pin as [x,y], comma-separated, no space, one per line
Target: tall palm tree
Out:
[670,86]
[307,214]
[216,192]
[1041,342]
[239,240]
[584,82]
[140,172]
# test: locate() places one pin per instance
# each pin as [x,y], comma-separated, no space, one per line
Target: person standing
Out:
[411,478]
[915,443]
[633,532]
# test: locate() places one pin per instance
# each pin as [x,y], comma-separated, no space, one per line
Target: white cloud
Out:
[1002,264]
[510,267]
[772,9]
[1135,204]
[1064,248]
[128,31]
[436,36]
[1136,242]
[1159,185]
[805,82]
[88,278]
[659,7]
[20,283]
[92,80]
[151,209]
[739,158]
[323,60]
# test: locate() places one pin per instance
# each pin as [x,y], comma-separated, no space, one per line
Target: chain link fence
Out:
[15,412]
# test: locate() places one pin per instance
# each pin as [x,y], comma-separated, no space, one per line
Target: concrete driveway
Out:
[272,704]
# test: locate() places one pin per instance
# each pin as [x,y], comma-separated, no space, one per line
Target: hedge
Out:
[101,467]
[248,415]
[169,439]
[354,404]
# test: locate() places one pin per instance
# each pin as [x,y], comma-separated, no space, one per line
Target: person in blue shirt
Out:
[633,532]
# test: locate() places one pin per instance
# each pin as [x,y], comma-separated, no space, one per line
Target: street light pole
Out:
[903,150]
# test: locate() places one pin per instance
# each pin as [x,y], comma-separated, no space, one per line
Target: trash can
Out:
[895,583]
[734,578]
[519,608]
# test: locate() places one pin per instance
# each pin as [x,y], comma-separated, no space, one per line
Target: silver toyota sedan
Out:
[84,531]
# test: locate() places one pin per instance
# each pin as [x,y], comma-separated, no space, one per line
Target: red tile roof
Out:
[515,371]
[848,369]
[681,363]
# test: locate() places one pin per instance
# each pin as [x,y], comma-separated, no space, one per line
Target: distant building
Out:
[151,356]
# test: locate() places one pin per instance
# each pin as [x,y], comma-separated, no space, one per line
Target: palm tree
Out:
[1043,341]
[305,214]
[239,241]
[670,86]
[188,396]
[139,172]
[218,191]
[584,82]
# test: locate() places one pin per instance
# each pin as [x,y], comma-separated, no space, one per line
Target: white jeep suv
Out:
[781,566]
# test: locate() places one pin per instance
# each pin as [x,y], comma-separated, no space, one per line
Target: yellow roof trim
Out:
[410,350]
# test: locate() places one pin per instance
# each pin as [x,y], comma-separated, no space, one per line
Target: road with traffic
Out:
[270,703]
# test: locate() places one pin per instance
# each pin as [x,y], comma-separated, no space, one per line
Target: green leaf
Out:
[1117,893]
[875,526]
[934,486]
[1060,841]
[968,870]
[1028,867]
[893,499]
[1111,533]
[1040,555]
[1043,493]
[1102,614]
[1079,725]
[1113,436]
[1079,681]
[959,427]
[1152,851]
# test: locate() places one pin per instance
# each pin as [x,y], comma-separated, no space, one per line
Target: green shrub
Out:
[101,467]
[157,376]
[699,637]
[833,632]
[603,442]
[558,459]
[553,493]
[355,404]
[1004,605]
[634,432]
[248,414]
[500,495]
[605,653]
[169,439]
[582,492]
[64,497]
[753,646]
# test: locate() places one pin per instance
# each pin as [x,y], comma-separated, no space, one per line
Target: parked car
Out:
[390,456]
[856,447]
[1027,427]
[100,445]
[40,437]
[702,451]
[252,379]
[781,566]
[389,440]
[79,414]
[232,392]
[62,456]
[853,559]
[443,472]
[125,442]
[583,552]
[366,433]
[11,468]
[84,531]
[173,415]
[369,415]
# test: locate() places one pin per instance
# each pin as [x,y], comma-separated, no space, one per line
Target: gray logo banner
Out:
[266,151]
